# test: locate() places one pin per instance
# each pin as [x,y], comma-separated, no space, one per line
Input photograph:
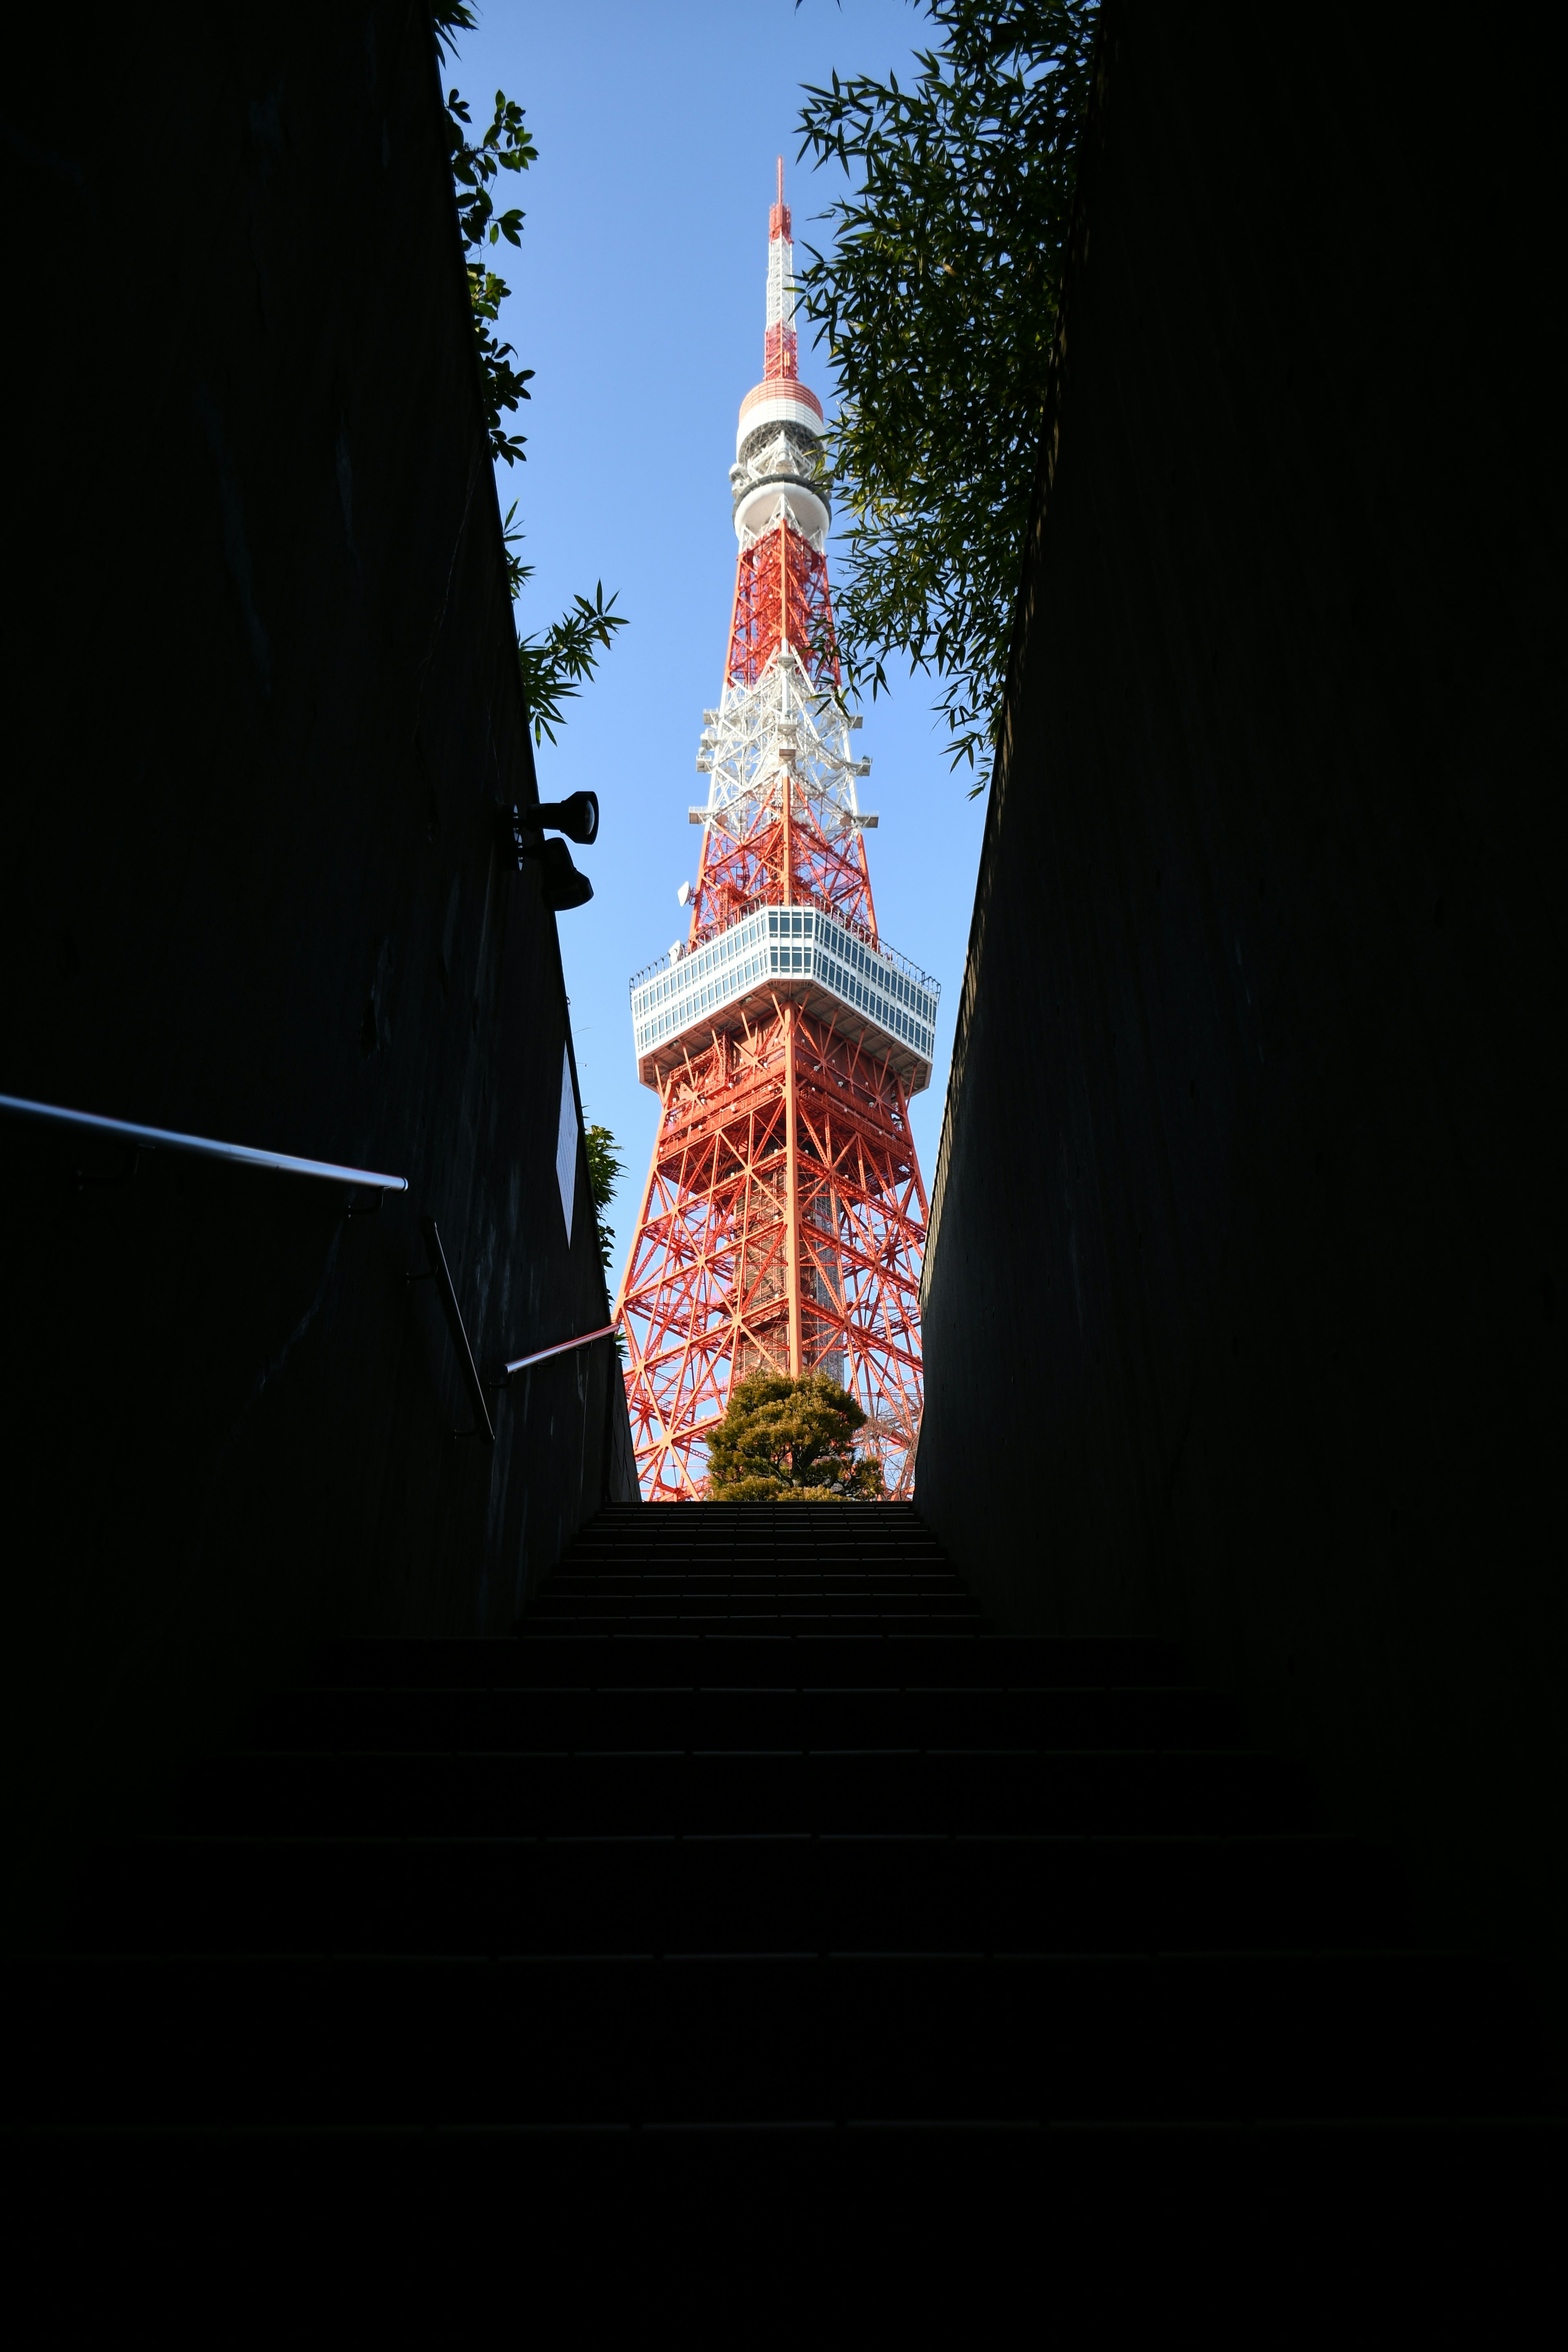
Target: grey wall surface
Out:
[1246,1317]
[261,704]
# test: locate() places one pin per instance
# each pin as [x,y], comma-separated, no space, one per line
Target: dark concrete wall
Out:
[261,700]
[1246,1308]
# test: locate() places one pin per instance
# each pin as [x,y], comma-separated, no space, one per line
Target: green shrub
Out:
[785,1441]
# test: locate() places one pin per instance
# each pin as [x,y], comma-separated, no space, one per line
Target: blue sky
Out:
[638,299]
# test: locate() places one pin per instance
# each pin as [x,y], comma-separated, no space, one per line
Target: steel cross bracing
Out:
[781,600]
[741,1260]
[778,750]
[741,1257]
[783,1217]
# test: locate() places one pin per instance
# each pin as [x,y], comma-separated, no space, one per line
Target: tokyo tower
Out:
[784,1219]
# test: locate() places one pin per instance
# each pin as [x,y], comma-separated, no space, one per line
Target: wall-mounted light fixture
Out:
[577,817]
[562,885]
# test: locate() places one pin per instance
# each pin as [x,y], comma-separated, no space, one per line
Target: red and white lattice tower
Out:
[783,1218]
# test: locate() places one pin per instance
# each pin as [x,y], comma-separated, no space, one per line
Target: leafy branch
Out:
[604,1173]
[558,664]
[503,146]
[937,302]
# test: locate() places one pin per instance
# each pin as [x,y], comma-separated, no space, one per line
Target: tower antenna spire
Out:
[783,1219]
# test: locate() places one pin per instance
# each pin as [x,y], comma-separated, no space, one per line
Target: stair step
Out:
[966,1661]
[432,2041]
[699,1584]
[747,1894]
[662,1624]
[631,1792]
[1369,2196]
[578,1715]
[759,1865]
[623,1559]
[640,1542]
[739,1600]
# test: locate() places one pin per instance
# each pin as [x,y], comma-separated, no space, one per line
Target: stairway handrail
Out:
[286,1163]
[205,1147]
[561,1348]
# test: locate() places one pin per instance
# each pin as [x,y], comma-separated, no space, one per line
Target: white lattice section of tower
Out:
[781,726]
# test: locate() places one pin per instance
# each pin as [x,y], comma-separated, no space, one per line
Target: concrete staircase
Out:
[758,1861]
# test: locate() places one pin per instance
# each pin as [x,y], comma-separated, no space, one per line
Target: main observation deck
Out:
[806,954]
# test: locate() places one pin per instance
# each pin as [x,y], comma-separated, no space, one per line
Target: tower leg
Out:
[792,1188]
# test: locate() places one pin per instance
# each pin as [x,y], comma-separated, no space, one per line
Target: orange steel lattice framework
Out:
[783,1218]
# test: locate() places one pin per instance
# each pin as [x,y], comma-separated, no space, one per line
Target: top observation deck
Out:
[807,954]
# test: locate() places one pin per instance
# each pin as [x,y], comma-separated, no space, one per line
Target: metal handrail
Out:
[498,1376]
[561,1348]
[441,1274]
[286,1163]
[159,1139]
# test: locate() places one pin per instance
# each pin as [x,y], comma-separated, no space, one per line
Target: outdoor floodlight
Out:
[577,817]
[562,885]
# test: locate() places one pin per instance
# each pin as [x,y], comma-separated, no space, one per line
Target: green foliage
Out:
[937,301]
[504,385]
[785,1441]
[604,1173]
[503,146]
[449,18]
[557,663]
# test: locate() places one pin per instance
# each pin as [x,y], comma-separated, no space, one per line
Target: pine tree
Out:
[785,1441]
